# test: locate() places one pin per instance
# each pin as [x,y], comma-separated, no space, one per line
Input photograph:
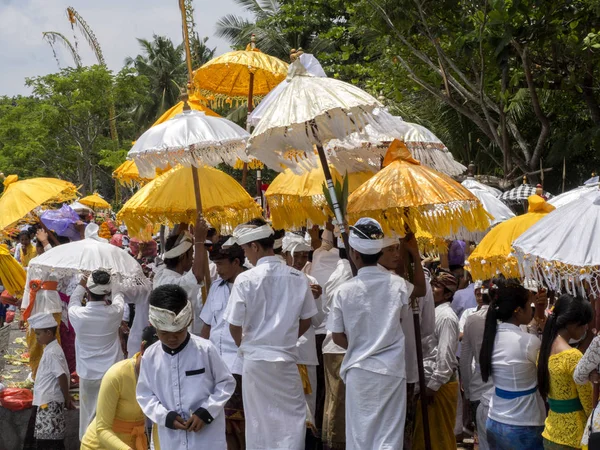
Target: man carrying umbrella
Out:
[270,306]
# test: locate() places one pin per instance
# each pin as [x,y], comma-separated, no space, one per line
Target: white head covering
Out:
[166,320]
[389,240]
[182,245]
[98,289]
[41,321]
[293,242]
[367,245]
[278,243]
[244,234]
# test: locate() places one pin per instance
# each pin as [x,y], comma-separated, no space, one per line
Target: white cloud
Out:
[116,24]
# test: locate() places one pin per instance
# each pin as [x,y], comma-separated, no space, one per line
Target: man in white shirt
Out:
[229,263]
[440,363]
[185,259]
[295,251]
[396,258]
[97,343]
[270,307]
[365,319]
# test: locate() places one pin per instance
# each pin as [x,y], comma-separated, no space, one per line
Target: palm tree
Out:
[200,52]
[163,64]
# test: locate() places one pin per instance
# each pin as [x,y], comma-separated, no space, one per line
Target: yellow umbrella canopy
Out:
[195,101]
[94,201]
[494,252]
[128,175]
[408,194]
[169,199]
[21,197]
[12,274]
[293,198]
[233,74]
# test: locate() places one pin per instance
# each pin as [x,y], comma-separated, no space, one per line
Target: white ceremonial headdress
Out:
[278,243]
[389,240]
[244,234]
[182,245]
[98,289]
[293,242]
[367,245]
[41,321]
[166,320]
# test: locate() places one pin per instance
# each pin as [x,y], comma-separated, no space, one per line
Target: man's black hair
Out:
[211,233]
[51,329]
[232,253]
[268,242]
[169,296]
[278,234]
[149,336]
[99,277]
[24,233]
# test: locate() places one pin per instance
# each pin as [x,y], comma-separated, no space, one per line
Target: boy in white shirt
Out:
[184,384]
[51,388]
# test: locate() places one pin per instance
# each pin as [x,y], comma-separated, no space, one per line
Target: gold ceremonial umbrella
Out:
[94,201]
[170,199]
[21,197]
[128,175]
[11,273]
[406,194]
[494,252]
[293,198]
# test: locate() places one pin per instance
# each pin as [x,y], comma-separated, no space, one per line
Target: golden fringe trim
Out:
[491,266]
[290,212]
[224,100]
[221,218]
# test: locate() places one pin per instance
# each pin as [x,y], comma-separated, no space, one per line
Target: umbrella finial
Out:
[184,98]
[251,47]
[471,169]
[398,151]
[524,179]
[293,55]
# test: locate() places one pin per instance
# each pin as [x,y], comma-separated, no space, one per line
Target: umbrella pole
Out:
[206,287]
[248,129]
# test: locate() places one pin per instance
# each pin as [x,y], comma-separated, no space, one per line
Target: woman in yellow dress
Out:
[570,404]
[120,424]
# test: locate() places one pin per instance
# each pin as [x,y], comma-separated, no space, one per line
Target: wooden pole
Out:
[422,383]
[564,174]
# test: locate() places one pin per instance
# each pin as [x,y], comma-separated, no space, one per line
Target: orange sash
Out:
[34,287]
[305,379]
[136,429]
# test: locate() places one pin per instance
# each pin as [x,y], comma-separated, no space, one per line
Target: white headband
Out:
[165,320]
[182,245]
[42,321]
[364,244]
[98,289]
[295,243]
[278,243]
[388,241]
[244,234]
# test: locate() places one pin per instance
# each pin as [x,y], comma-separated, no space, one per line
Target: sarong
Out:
[274,406]
[442,416]
[235,428]
[375,410]
[35,349]
[334,415]
[320,400]
[507,437]
[88,398]
[411,411]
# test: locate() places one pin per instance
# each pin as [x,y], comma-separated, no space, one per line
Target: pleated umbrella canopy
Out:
[195,102]
[406,194]
[169,199]
[494,255]
[563,248]
[21,197]
[572,195]
[471,183]
[295,198]
[95,201]
[11,273]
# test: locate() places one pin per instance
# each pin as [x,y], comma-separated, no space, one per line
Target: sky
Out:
[116,24]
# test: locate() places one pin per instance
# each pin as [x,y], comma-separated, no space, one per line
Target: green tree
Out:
[163,64]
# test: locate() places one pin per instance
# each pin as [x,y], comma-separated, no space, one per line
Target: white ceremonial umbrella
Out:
[472,183]
[191,139]
[563,248]
[85,256]
[572,195]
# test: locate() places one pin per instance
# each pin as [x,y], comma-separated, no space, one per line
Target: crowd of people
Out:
[267,339]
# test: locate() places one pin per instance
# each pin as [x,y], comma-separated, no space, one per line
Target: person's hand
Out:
[317,291]
[329,225]
[124,328]
[411,246]
[200,230]
[42,236]
[429,396]
[83,281]
[595,377]
[22,325]
[194,423]
[179,424]
[70,404]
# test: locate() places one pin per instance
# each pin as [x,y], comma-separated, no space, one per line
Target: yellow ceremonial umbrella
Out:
[128,175]
[494,252]
[94,201]
[170,199]
[406,194]
[195,102]
[21,197]
[293,199]
[12,274]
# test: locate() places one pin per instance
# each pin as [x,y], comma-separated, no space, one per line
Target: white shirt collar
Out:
[270,259]
[370,269]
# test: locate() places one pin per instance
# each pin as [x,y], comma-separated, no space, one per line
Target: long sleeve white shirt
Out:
[139,296]
[341,274]
[368,309]
[470,370]
[307,344]
[96,325]
[268,302]
[439,348]
[191,379]
[220,336]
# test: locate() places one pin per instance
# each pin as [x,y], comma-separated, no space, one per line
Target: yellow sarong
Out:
[442,415]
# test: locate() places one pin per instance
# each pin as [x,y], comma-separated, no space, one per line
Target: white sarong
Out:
[274,406]
[88,398]
[375,410]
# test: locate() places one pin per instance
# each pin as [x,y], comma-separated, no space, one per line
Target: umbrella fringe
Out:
[492,266]
[290,212]
[43,272]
